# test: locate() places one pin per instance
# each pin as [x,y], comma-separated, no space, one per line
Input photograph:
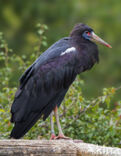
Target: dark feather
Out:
[45,83]
[20,128]
[41,91]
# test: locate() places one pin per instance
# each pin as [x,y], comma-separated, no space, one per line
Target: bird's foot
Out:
[53,136]
[62,136]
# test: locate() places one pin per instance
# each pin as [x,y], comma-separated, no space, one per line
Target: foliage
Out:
[96,120]
[18,18]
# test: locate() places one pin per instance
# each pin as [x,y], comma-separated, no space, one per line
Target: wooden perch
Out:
[54,148]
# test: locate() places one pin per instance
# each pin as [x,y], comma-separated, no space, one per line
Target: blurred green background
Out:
[18,20]
[92,92]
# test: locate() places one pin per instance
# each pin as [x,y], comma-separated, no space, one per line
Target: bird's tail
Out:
[20,128]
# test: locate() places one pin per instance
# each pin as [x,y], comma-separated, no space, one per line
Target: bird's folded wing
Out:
[45,87]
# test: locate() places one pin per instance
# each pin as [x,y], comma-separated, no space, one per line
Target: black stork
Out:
[45,83]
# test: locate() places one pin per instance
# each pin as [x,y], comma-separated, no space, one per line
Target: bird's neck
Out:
[87,53]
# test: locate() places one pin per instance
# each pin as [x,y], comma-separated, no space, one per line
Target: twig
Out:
[93,103]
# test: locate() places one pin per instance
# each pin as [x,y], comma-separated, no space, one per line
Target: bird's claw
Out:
[62,136]
[53,137]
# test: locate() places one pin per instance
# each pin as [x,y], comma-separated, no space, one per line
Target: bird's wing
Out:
[52,52]
[42,88]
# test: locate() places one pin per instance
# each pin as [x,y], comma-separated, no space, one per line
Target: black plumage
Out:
[45,83]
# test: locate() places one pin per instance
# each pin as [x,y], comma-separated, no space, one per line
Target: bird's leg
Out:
[61,135]
[53,136]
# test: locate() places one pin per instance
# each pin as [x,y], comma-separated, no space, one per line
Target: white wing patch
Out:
[72,49]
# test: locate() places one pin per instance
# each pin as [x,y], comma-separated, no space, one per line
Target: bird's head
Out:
[87,33]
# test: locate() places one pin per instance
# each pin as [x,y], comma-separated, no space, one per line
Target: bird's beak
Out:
[96,38]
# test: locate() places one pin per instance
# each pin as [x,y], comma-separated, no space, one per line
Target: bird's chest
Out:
[86,58]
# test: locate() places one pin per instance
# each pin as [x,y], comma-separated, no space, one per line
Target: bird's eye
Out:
[87,32]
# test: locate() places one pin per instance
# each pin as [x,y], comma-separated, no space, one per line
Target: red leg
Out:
[61,135]
[53,136]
